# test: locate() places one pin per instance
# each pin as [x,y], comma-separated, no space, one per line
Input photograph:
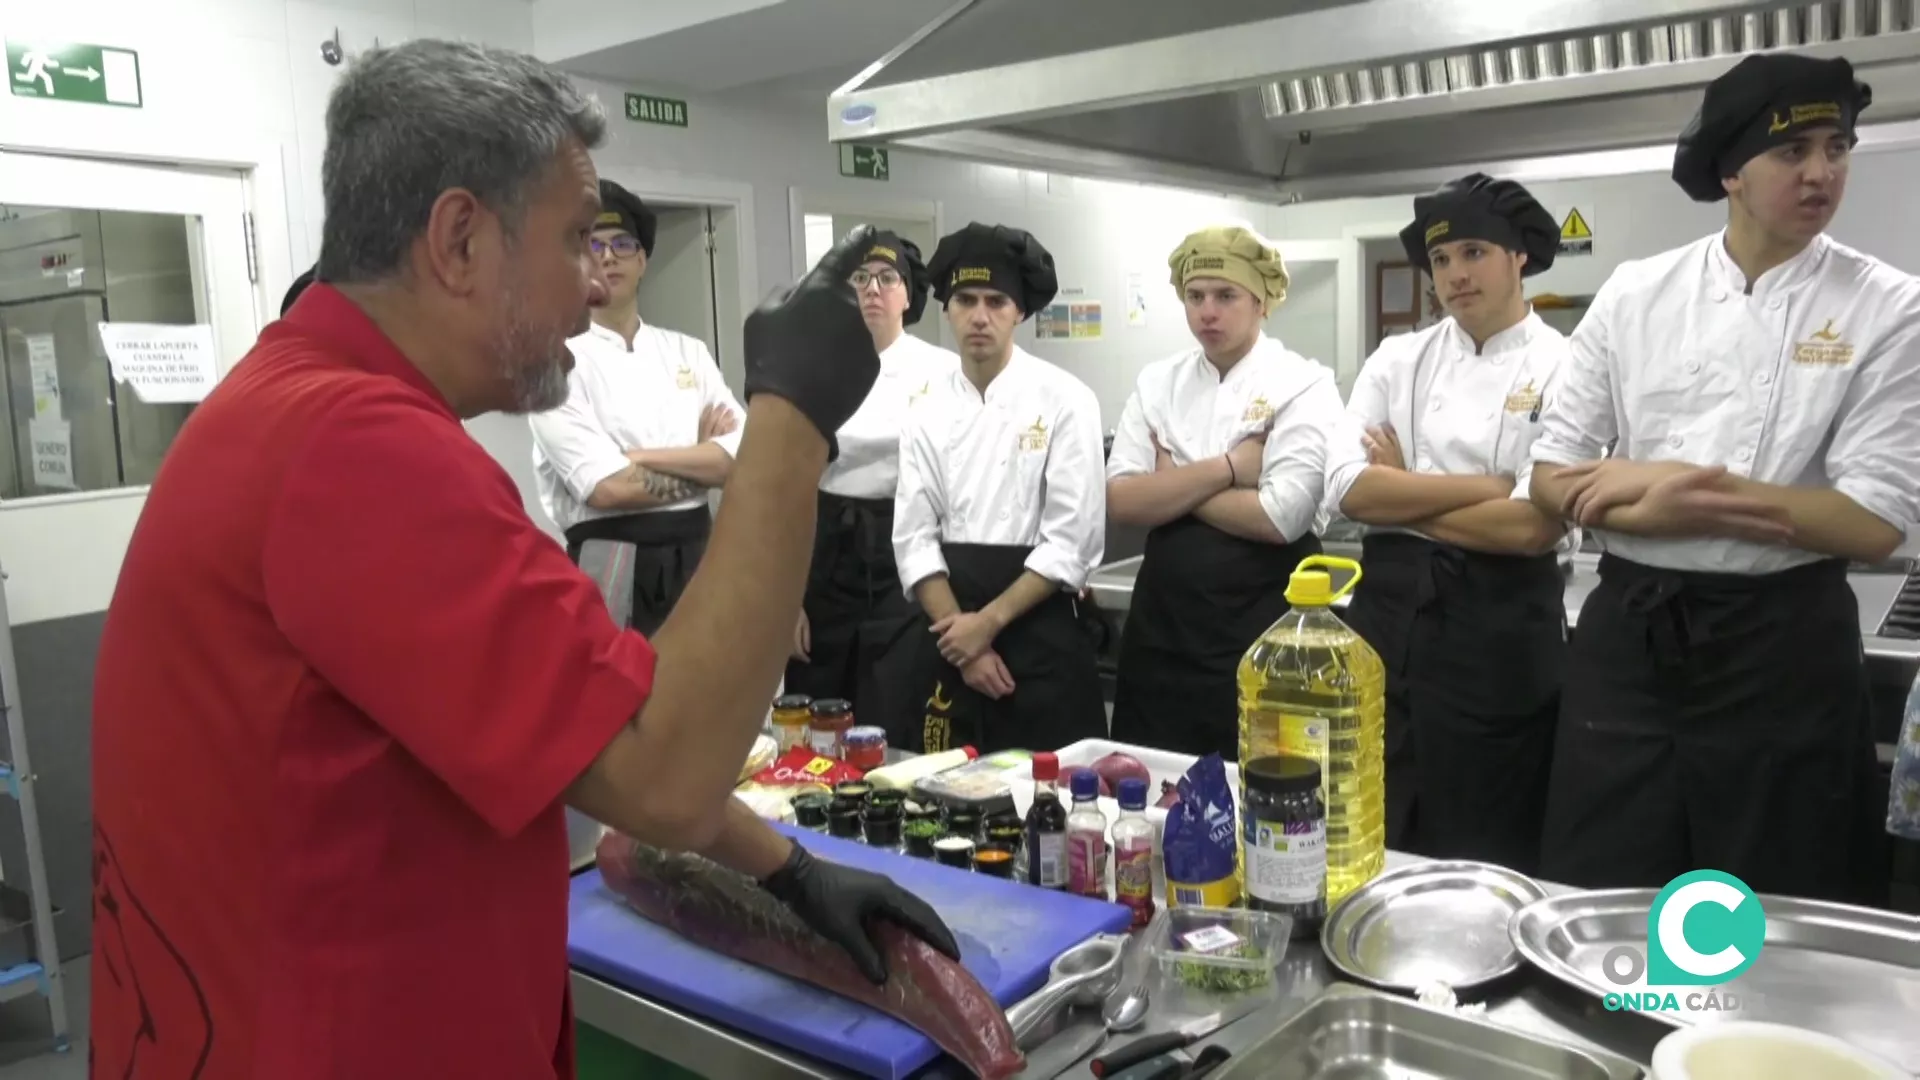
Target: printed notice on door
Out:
[165,365]
[52,453]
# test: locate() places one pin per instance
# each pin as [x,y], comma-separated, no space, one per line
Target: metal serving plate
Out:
[1853,973]
[1350,1033]
[1431,922]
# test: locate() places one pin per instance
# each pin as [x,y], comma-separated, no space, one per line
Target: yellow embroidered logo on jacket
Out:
[1823,348]
[1524,400]
[684,378]
[925,389]
[1035,437]
[1258,410]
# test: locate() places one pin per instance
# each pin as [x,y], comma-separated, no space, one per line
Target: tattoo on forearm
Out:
[662,486]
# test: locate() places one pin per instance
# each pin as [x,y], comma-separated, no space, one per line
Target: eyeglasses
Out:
[626,247]
[886,279]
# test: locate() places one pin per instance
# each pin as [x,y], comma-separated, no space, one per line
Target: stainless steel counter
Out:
[1112,587]
[1527,1001]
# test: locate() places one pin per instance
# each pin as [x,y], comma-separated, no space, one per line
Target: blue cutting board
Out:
[1008,933]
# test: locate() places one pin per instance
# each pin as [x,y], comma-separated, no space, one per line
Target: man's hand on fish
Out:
[839,902]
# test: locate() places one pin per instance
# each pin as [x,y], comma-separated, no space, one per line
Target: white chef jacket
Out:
[869,463]
[1197,415]
[1019,465]
[1813,379]
[649,398]
[1458,411]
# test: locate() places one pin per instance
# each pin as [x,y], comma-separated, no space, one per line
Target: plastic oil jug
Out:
[1312,687]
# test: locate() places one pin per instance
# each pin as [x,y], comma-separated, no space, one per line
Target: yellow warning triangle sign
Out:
[1575,227]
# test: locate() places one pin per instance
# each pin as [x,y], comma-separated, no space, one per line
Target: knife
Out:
[1139,1050]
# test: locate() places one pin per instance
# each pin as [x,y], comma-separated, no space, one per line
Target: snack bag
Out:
[801,766]
[1199,843]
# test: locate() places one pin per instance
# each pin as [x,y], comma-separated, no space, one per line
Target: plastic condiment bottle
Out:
[904,774]
[1133,839]
[1310,687]
[1087,838]
[1046,844]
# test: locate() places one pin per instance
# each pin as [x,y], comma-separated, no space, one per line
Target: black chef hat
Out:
[1478,207]
[622,209]
[995,257]
[299,286]
[904,256]
[1761,102]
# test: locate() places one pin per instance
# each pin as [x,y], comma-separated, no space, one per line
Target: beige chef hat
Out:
[1232,253]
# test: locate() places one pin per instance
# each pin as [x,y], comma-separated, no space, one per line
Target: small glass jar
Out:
[1284,837]
[865,748]
[828,721]
[994,860]
[954,851]
[843,821]
[792,715]
[881,826]
[810,810]
[920,836]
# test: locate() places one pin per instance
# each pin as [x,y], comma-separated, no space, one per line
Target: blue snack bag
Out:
[1199,844]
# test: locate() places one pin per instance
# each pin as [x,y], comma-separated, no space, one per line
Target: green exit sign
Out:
[647,109]
[92,74]
[863,162]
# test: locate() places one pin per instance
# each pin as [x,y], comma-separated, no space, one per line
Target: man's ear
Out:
[459,231]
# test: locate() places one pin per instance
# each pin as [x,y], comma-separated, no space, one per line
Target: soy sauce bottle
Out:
[1046,842]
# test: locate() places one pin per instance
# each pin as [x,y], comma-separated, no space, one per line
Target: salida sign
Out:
[1703,930]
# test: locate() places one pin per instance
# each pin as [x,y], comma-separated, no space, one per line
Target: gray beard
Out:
[536,387]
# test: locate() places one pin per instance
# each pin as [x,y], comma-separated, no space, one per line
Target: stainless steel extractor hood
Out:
[1305,99]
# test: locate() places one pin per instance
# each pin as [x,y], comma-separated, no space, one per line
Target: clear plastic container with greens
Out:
[1211,958]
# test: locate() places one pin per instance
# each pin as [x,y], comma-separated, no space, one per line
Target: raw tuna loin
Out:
[731,914]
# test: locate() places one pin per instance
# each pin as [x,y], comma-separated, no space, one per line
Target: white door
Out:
[124,243]
[1322,318]
[677,292]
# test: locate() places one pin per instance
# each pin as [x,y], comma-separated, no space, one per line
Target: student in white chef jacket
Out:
[854,604]
[1221,452]
[999,518]
[1463,596]
[1762,390]
[648,428]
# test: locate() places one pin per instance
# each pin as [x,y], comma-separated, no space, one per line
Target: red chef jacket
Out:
[343,683]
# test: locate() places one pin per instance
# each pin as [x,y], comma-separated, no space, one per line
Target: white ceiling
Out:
[800,45]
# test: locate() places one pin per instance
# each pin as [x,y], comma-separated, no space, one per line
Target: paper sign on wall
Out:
[1576,233]
[52,453]
[165,365]
[1063,322]
[44,365]
[1136,298]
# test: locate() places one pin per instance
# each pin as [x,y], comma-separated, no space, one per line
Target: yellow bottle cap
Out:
[1313,588]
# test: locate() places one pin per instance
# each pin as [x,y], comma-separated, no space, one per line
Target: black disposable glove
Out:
[808,344]
[839,901]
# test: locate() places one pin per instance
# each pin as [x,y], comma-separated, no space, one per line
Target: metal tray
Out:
[1431,922]
[1853,973]
[1349,1033]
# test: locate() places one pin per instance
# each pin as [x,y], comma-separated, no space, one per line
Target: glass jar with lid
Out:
[828,721]
[792,715]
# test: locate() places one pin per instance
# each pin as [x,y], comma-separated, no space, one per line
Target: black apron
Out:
[667,547]
[927,707]
[1474,646]
[1201,599]
[1715,721]
[854,604]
